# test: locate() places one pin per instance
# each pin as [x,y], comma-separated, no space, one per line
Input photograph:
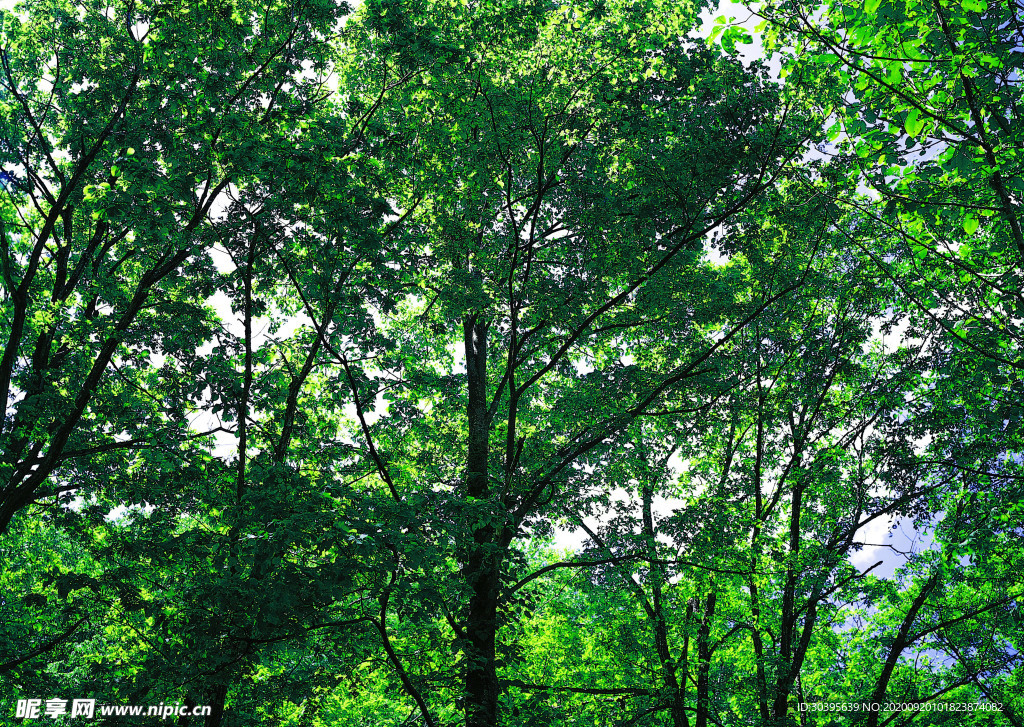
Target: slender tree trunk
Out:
[679,718]
[762,682]
[685,662]
[668,666]
[755,547]
[218,695]
[482,564]
[704,663]
[901,642]
[788,627]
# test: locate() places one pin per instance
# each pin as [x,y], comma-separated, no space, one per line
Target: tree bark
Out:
[668,667]
[704,662]
[759,657]
[788,627]
[219,696]
[482,562]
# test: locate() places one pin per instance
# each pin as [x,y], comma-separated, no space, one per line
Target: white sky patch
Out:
[573,540]
[121,511]
[893,543]
[876,535]
[742,17]
[890,343]
[370,413]
[711,249]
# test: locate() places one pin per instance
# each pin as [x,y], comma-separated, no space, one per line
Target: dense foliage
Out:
[324,328]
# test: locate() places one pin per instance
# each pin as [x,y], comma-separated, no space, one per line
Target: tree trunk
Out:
[678,711]
[704,663]
[218,697]
[759,659]
[657,575]
[482,562]
[788,627]
[901,642]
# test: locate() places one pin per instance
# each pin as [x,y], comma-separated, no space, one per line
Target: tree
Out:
[124,127]
[137,138]
[465,300]
[559,215]
[926,98]
[937,81]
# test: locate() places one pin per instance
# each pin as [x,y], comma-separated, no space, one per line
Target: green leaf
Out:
[970,224]
[914,123]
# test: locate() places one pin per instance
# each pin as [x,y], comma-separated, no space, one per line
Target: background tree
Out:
[927,98]
[124,125]
[927,119]
[110,222]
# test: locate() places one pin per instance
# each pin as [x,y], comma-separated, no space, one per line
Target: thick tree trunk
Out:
[482,562]
[481,674]
[218,697]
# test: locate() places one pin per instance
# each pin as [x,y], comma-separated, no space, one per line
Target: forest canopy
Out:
[478,362]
